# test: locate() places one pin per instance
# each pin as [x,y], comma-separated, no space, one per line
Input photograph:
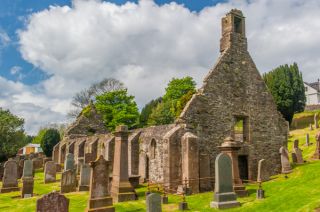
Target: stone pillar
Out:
[121,189]
[231,148]
[190,161]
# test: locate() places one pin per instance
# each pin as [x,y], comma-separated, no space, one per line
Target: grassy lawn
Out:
[300,192]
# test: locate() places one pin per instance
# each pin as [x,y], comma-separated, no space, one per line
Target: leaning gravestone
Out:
[27,179]
[9,180]
[263,174]
[100,199]
[285,163]
[68,181]
[298,152]
[50,172]
[153,202]
[85,174]
[53,202]
[69,162]
[224,195]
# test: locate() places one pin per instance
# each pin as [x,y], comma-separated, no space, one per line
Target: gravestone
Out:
[310,126]
[58,167]
[298,152]
[9,180]
[68,181]
[294,158]
[224,195]
[316,154]
[53,202]
[37,163]
[88,157]
[121,189]
[263,174]
[45,160]
[27,179]
[285,163]
[20,168]
[100,199]
[307,140]
[50,172]
[153,203]
[316,120]
[85,173]
[69,162]
[79,165]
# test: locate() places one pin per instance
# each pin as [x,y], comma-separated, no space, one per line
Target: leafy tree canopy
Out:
[48,140]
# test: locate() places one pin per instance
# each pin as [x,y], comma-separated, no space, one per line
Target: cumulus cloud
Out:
[145,45]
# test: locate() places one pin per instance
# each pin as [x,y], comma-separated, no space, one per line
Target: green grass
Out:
[300,192]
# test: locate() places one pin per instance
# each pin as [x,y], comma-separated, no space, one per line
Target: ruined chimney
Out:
[233,30]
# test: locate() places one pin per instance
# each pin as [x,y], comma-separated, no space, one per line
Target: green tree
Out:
[286,86]
[49,139]
[12,136]
[37,139]
[147,110]
[117,107]
[178,93]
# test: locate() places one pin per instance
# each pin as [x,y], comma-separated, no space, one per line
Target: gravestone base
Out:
[183,206]
[223,205]
[225,200]
[260,194]
[83,188]
[101,204]
[164,200]
[134,180]
[123,193]
[67,189]
[27,187]
[123,197]
[9,189]
[240,190]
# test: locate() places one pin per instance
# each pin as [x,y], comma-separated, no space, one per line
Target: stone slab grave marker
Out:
[316,154]
[50,172]
[9,180]
[298,152]
[153,203]
[224,195]
[68,181]
[285,163]
[263,175]
[100,199]
[294,158]
[58,167]
[69,162]
[316,120]
[307,140]
[310,126]
[37,163]
[20,168]
[27,179]
[85,173]
[79,165]
[53,202]
[121,189]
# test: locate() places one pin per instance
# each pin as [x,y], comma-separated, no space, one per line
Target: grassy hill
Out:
[300,192]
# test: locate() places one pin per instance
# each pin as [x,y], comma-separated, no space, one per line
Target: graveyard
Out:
[297,192]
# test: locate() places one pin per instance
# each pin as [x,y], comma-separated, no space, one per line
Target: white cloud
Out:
[145,45]
[4,38]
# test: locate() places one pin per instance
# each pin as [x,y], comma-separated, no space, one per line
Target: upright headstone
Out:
[263,174]
[53,202]
[285,163]
[307,140]
[50,172]
[224,195]
[79,165]
[10,175]
[153,202]
[85,173]
[20,168]
[298,152]
[68,181]
[316,154]
[121,189]
[100,199]
[311,128]
[27,179]
[316,121]
[37,163]
[69,162]
[294,158]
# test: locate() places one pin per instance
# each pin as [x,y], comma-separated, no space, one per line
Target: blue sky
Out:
[51,49]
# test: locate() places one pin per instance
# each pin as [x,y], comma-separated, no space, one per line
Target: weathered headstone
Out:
[88,157]
[316,120]
[100,199]
[298,152]
[85,173]
[68,181]
[294,158]
[69,162]
[224,195]
[79,165]
[58,167]
[310,126]
[153,202]
[27,179]
[53,202]
[307,140]
[316,154]
[263,174]
[121,189]
[50,172]
[37,163]
[285,163]
[9,180]
[20,168]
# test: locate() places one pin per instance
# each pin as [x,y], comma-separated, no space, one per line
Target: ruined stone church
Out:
[232,102]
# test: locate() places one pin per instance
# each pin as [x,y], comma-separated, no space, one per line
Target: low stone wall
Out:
[312,107]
